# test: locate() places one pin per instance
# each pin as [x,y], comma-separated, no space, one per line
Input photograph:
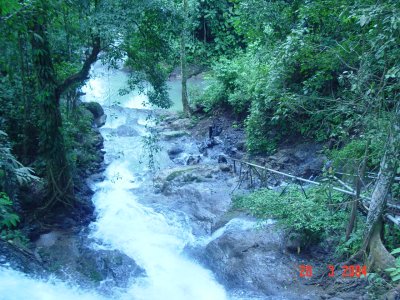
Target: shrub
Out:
[304,211]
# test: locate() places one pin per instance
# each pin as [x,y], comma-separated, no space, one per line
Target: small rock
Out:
[125,130]
[232,151]
[191,160]
[222,159]
[217,140]
[169,135]
[225,167]
[174,151]
[241,145]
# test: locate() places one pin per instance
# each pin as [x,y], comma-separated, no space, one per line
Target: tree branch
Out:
[84,72]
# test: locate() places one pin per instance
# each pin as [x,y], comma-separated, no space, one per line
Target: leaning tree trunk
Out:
[184,72]
[379,258]
[58,175]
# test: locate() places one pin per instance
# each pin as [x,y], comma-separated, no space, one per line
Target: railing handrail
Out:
[352,193]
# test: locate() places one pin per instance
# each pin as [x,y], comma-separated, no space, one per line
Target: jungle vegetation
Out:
[325,70]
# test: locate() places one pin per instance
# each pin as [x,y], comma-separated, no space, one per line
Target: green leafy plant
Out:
[8,219]
[353,244]
[395,272]
[303,211]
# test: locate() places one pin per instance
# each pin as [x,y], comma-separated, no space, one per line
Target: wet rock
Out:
[21,259]
[208,144]
[169,135]
[193,160]
[100,121]
[253,259]
[225,167]
[180,124]
[242,258]
[125,130]
[108,264]
[202,202]
[174,151]
[222,159]
[98,140]
[99,118]
[165,178]
[66,253]
[95,108]
[232,151]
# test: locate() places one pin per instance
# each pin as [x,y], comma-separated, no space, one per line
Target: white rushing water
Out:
[17,286]
[154,239]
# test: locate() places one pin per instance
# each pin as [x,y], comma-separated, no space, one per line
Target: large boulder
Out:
[21,259]
[254,259]
[95,108]
[71,255]
[169,179]
[97,111]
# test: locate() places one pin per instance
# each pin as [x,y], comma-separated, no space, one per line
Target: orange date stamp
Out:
[306,271]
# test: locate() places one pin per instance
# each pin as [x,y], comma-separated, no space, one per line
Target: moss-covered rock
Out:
[95,108]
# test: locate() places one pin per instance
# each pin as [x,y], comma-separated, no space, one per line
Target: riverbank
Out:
[37,228]
[242,257]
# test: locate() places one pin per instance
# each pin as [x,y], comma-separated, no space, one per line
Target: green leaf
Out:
[396,278]
[390,269]
[395,251]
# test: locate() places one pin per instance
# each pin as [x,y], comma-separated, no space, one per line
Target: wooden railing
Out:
[254,171]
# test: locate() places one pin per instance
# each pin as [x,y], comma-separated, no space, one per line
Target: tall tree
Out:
[379,257]
[58,173]
[184,71]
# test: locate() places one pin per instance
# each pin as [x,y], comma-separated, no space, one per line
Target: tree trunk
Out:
[25,100]
[58,175]
[185,100]
[379,258]
[359,180]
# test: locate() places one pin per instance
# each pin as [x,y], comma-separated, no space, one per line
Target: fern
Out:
[395,272]
[12,169]
[8,218]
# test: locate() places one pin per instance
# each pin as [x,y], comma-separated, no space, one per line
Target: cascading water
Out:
[155,239]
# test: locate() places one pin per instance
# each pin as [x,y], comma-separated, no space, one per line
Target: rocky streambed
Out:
[165,234]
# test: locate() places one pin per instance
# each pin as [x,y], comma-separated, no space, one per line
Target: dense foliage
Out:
[312,213]
[322,69]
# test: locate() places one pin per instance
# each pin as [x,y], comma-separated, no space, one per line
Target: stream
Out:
[153,235]
[163,235]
